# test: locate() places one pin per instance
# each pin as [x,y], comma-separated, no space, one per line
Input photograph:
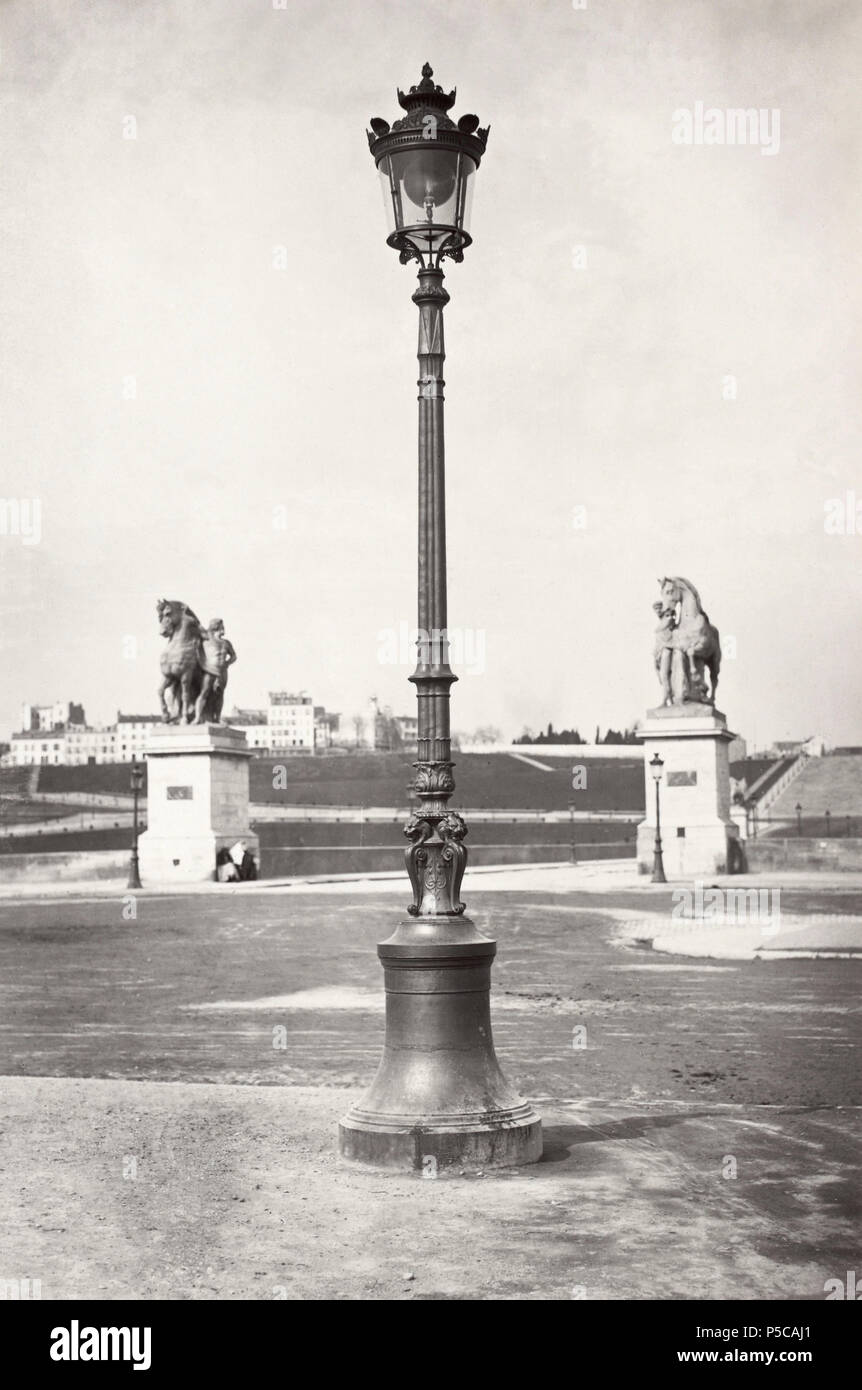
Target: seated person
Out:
[226,869]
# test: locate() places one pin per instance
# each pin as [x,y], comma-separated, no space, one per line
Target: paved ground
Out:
[191,989]
[702,1124]
[237,1193]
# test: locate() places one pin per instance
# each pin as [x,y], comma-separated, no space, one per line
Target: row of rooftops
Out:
[239,717]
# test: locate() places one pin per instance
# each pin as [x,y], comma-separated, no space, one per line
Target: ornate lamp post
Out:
[657,765]
[137,784]
[439,1097]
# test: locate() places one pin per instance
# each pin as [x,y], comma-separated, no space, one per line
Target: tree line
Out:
[552,735]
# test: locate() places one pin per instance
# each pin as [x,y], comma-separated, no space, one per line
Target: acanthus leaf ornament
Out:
[434,779]
[452,831]
[436,859]
[417,831]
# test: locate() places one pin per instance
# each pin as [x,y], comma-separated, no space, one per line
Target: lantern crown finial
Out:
[426,93]
[426,105]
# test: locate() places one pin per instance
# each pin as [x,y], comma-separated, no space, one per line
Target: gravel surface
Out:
[127,1177]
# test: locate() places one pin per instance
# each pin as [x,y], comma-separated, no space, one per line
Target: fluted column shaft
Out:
[436,857]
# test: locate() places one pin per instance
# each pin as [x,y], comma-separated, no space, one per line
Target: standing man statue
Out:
[664,649]
[218,656]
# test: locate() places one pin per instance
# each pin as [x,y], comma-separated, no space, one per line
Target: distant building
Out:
[131,732]
[326,727]
[46,718]
[74,746]
[47,742]
[58,735]
[253,723]
[408,728]
[291,722]
[814,746]
[384,731]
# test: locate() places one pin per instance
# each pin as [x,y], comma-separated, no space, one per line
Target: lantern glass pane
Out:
[391,197]
[427,193]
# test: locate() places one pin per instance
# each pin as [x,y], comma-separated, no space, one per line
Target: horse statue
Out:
[181,661]
[694,638]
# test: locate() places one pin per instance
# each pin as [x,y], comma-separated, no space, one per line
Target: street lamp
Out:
[798,819]
[439,1098]
[657,764]
[137,784]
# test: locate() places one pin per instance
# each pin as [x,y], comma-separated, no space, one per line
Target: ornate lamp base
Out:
[439,1099]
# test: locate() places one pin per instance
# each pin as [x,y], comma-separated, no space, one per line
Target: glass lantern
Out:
[427,194]
[426,164]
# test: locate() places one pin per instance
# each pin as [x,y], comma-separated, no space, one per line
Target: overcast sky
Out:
[197,423]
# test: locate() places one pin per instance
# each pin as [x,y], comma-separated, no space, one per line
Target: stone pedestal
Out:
[699,835]
[197,802]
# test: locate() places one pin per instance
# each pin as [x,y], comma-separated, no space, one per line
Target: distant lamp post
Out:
[439,1098]
[798,819]
[137,786]
[828,822]
[657,767]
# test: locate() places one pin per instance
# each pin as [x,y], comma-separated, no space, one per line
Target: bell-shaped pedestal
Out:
[439,1098]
